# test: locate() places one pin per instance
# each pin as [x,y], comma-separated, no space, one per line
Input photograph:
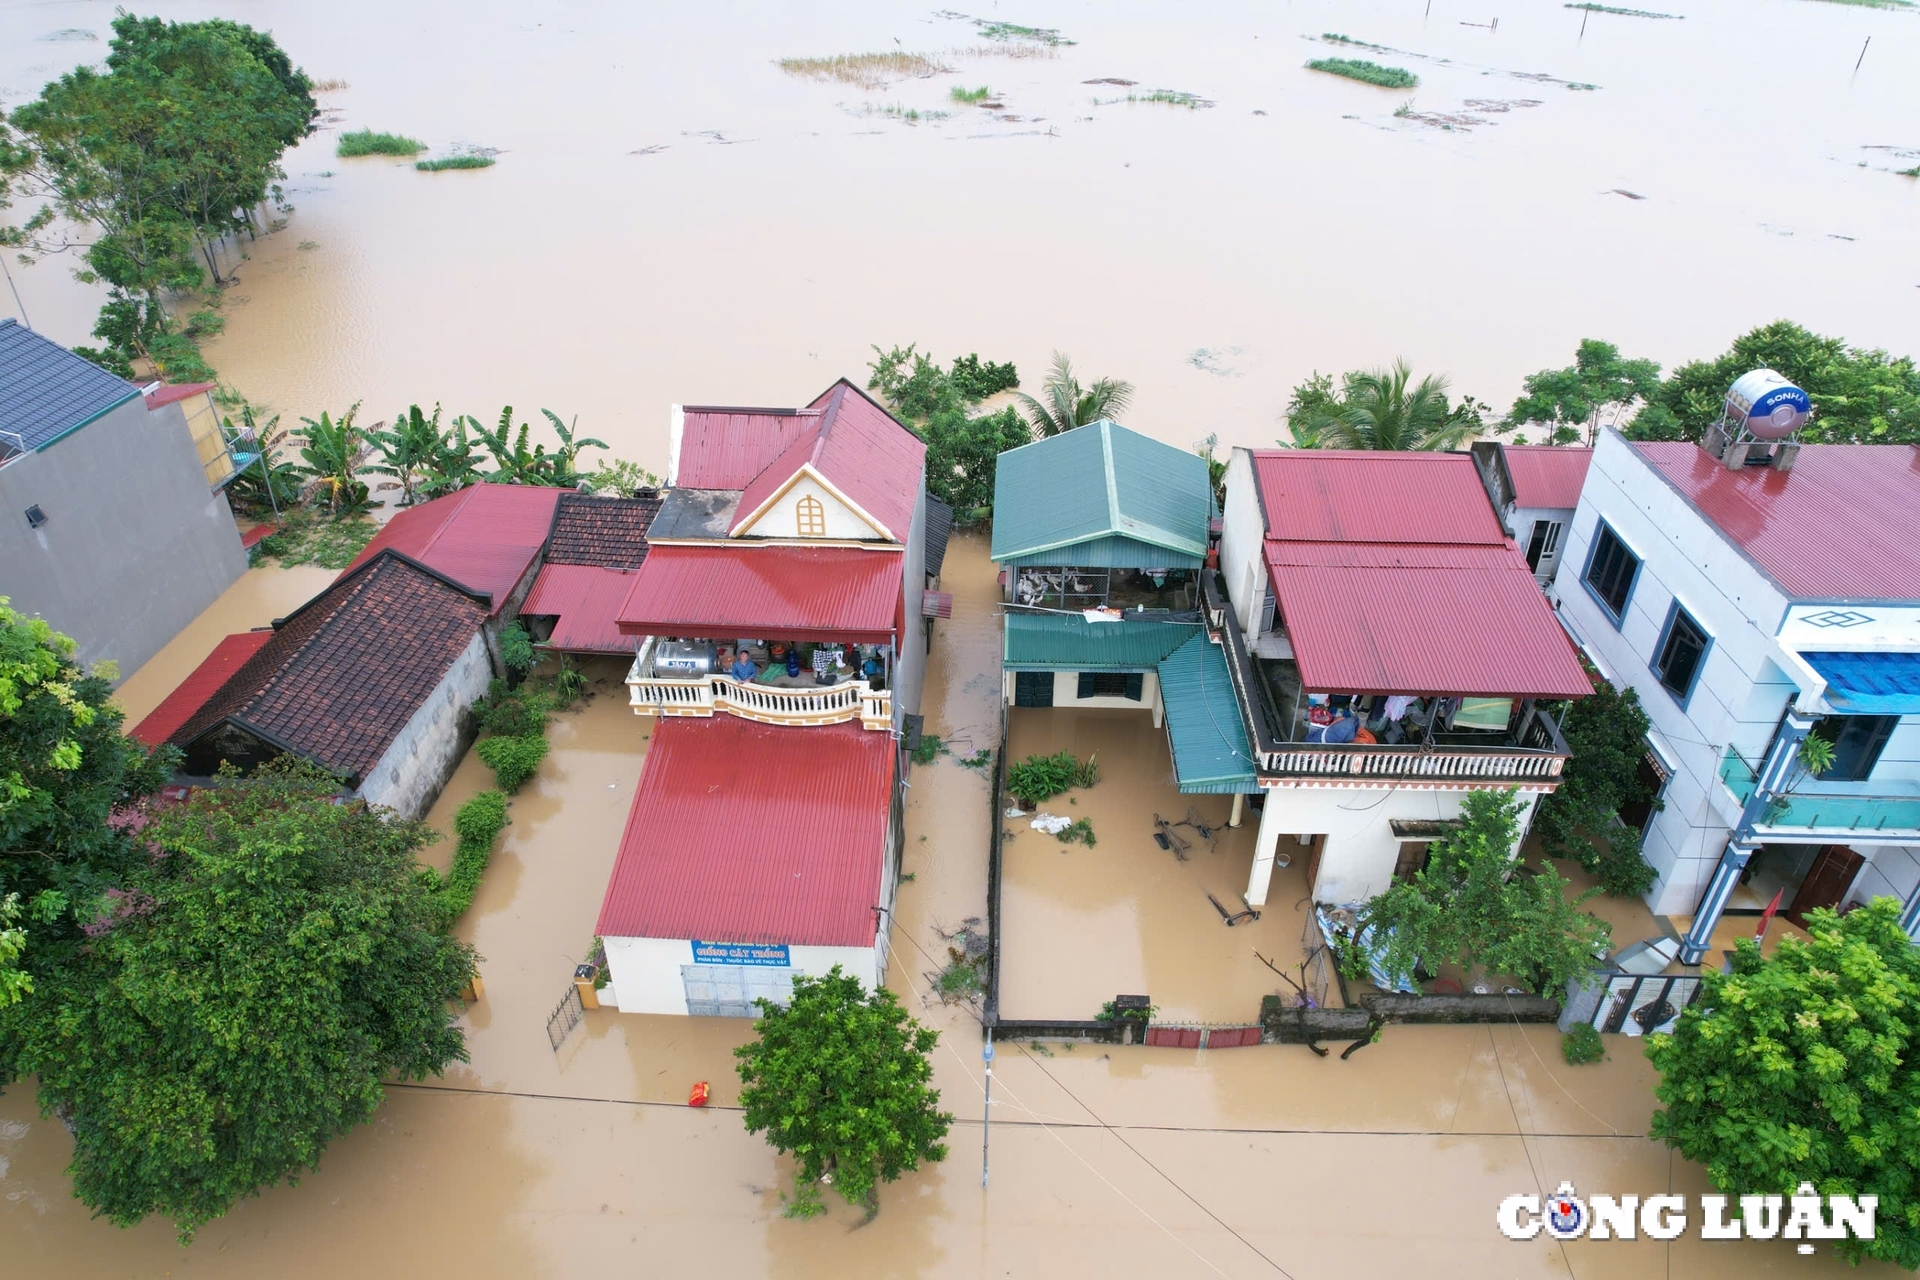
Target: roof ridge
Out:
[1113,481]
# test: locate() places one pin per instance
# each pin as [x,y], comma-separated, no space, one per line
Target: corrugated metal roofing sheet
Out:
[160,397]
[769,590]
[1204,730]
[723,448]
[1386,618]
[1053,496]
[1839,526]
[939,529]
[743,832]
[1068,642]
[47,391]
[1876,684]
[1337,495]
[860,450]
[201,684]
[484,537]
[1108,552]
[586,599]
[1548,476]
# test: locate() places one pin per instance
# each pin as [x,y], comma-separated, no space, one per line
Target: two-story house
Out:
[1391,651]
[778,619]
[1750,607]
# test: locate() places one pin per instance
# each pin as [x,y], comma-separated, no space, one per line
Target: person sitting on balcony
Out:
[743,669]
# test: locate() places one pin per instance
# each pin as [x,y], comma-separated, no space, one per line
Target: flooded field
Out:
[674,219]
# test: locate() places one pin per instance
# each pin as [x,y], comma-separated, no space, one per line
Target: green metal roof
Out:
[1129,495]
[1068,642]
[1204,729]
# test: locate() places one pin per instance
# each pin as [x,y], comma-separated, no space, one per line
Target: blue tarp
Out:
[1874,684]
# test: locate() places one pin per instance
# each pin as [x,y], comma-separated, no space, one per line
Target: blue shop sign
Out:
[744,953]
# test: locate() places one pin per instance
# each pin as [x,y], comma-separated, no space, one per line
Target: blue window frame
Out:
[1611,571]
[1681,654]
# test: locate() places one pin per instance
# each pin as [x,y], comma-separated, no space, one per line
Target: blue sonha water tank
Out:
[1767,405]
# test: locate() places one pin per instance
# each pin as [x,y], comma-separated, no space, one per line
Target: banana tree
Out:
[569,451]
[513,462]
[454,465]
[407,451]
[333,452]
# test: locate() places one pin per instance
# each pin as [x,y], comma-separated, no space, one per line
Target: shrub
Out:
[365,142]
[516,648]
[454,162]
[1040,778]
[510,715]
[928,749]
[513,759]
[477,825]
[1080,832]
[1582,1045]
[1366,72]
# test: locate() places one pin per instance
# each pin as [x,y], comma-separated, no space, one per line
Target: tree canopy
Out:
[938,405]
[839,1081]
[1471,906]
[1571,403]
[1860,396]
[1802,1067]
[1380,409]
[1607,736]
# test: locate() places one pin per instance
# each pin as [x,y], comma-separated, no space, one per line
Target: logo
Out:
[1804,1216]
[1837,618]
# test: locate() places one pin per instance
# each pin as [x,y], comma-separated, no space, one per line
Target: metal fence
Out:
[565,1017]
[1639,1005]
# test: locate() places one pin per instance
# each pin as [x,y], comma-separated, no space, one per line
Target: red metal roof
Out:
[1547,475]
[859,449]
[1399,618]
[1337,495]
[726,448]
[1839,526]
[744,832]
[483,537]
[202,683]
[587,600]
[771,590]
[173,395]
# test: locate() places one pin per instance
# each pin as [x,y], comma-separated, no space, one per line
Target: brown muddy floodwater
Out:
[673,219]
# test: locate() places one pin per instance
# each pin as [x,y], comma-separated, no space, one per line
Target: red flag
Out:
[1766,917]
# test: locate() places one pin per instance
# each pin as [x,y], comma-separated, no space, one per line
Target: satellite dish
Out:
[1767,405]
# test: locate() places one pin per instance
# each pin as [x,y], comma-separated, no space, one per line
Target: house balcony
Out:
[1835,812]
[656,689]
[1432,750]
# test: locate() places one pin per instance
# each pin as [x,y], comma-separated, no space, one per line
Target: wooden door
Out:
[1313,863]
[1827,882]
[1413,856]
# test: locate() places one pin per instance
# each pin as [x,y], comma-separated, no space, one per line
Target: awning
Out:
[1871,684]
[776,591]
[1204,729]
[1068,642]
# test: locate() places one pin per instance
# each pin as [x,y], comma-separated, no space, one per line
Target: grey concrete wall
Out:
[910,670]
[410,775]
[135,545]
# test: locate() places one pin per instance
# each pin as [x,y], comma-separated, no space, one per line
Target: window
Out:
[812,517]
[1111,684]
[1610,571]
[1857,744]
[1545,541]
[1683,649]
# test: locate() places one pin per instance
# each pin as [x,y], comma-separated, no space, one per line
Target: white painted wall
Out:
[1066,693]
[1891,871]
[645,972]
[1520,522]
[1243,535]
[416,766]
[781,520]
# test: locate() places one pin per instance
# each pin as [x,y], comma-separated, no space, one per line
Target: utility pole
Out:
[986,1117]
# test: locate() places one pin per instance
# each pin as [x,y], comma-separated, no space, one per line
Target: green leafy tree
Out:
[1571,404]
[567,468]
[619,478]
[334,452]
[962,448]
[1064,404]
[1382,409]
[15,982]
[1471,906]
[1860,396]
[839,1080]
[1312,402]
[1607,737]
[407,451]
[1801,1068]
[239,996]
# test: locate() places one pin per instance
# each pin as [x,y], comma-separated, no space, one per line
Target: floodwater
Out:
[673,219]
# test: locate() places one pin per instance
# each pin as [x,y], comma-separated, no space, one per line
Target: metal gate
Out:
[565,1017]
[1235,1036]
[1638,1005]
[729,990]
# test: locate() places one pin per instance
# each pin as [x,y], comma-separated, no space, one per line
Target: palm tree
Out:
[1069,405]
[1377,410]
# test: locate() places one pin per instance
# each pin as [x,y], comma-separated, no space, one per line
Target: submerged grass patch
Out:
[306,538]
[970,96]
[453,162]
[1623,13]
[1048,36]
[1875,4]
[866,70]
[366,142]
[1334,37]
[1172,98]
[1366,72]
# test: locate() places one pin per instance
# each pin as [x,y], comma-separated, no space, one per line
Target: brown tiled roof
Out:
[608,532]
[345,672]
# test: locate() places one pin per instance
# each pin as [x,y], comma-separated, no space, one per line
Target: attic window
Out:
[811,517]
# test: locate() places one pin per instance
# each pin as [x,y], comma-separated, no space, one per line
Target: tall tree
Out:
[838,1079]
[1860,395]
[1607,740]
[1802,1068]
[1383,409]
[1599,387]
[1065,404]
[239,996]
[963,448]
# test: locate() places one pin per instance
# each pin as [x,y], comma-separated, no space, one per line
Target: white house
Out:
[1750,606]
[1535,489]
[1389,647]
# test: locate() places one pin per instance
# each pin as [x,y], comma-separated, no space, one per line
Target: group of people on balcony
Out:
[829,663]
[1397,718]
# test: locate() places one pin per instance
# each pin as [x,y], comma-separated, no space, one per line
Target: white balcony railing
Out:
[705,695]
[1441,764]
